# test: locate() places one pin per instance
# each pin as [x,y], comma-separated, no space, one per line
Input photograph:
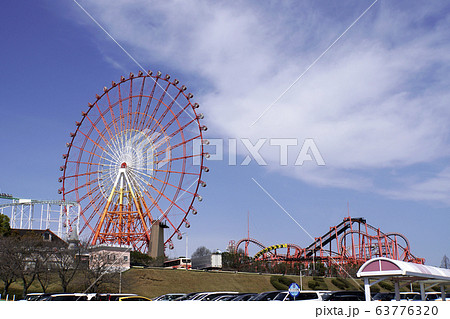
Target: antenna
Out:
[348,209]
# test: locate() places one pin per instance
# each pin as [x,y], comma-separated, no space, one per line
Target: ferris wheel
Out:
[136,158]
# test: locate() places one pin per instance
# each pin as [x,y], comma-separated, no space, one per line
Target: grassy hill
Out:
[154,282]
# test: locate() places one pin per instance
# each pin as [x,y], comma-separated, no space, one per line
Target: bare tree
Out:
[26,257]
[100,271]
[445,263]
[44,277]
[8,272]
[66,263]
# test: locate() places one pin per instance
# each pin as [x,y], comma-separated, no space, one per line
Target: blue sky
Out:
[376,105]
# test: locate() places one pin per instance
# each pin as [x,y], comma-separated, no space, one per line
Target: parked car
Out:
[109,296]
[265,296]
[346,296]
[431,296]
[384,296]
[243,297]
[35,296]
[224,297]
[168,297]
[209,296]
[188,296]
[303,295]
[134,298]
[66,297]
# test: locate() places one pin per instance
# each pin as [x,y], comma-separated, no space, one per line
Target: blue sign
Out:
[294,290]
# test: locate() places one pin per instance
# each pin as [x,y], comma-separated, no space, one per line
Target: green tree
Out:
[201,251]
[5,229]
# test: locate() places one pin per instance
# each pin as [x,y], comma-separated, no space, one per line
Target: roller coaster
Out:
[353,241]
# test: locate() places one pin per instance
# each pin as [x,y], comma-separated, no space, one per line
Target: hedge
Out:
[281,282]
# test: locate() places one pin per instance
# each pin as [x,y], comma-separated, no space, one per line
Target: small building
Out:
[207,262]
[110,258]
[37,245]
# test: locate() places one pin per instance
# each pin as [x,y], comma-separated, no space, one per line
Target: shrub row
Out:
[281,282]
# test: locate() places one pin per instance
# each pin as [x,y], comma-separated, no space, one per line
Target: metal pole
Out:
[120,282]
[186,265]
[301,281]
[367,289]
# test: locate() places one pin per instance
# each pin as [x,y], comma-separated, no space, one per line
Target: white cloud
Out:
[377,100]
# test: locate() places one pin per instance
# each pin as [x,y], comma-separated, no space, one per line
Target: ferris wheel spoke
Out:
[147,106]
[92,153]
[158,103]
[183,143]
[102,116]
[155,204]
[175,117]
[95,189]
[176,172]
[83,174]
[178,188]
[91,216]
[96,129]
[171,201]
[166,111]
[92,141]
[173,159]
[140,184]
[130,106]
[88,163]
[79,187]
[181,128]
[121,116]
[111,112]
[138,109]
[179,198]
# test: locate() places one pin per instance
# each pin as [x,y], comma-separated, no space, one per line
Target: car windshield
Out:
[281,296]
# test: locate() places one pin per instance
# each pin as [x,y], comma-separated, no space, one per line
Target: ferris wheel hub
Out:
[124,165]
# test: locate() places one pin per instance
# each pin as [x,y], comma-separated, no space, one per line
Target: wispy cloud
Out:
[377,101]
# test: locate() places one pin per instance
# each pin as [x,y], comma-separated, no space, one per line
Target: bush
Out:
[386,285]
[374,288]
[317,283]
[281,282]
[312,284]
[341,283]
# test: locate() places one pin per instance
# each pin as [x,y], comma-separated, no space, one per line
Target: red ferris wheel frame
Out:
[138,151]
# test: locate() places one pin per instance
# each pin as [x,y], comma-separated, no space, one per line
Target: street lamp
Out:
[301,281]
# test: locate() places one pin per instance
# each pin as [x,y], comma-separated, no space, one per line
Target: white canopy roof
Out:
[381,267]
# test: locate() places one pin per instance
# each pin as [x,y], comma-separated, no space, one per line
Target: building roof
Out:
[382,267]
[37,232]
[111,247]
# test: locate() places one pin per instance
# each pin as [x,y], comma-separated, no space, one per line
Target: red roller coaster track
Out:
[353,241]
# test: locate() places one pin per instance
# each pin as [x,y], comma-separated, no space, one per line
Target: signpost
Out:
[294,290]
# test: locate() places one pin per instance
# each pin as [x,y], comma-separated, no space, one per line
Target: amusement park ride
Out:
[135,161]
[353,241]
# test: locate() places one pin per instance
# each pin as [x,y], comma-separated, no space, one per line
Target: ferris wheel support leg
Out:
[105,211]
[138,206]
